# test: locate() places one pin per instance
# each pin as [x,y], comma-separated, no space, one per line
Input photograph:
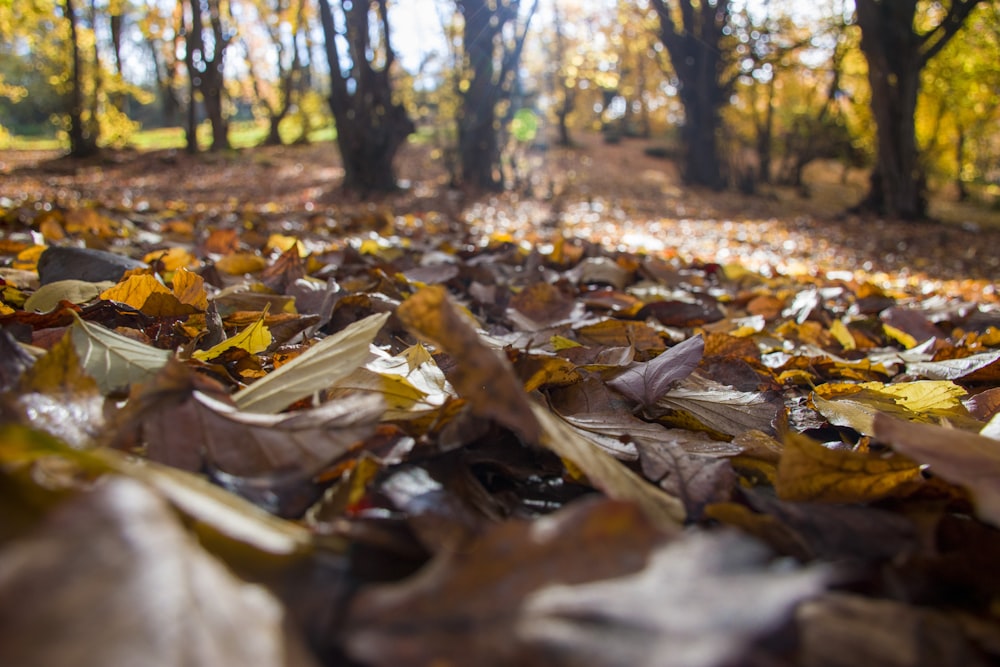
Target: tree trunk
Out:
[205,70]
[371,127]
[696,53]
[896,54]
[81,142]
[479,127]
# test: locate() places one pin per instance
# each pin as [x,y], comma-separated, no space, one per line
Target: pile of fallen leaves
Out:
[395,443]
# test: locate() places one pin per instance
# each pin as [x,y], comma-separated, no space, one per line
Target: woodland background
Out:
[742,93]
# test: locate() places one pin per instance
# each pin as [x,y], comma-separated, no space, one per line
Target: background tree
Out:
[83,127]
[272,41]
[493,37]
[694,34]
[898,42]
[205,52]
[371,124]
[958,117]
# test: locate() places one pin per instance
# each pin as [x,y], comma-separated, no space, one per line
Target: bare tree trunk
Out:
[696,53]
[371,126]
[205,71]
[896,54]
[485,48]
[81,142]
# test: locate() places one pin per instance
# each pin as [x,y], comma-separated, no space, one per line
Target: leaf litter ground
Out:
[603,420]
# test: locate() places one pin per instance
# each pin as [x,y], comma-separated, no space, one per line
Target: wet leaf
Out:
[320,367]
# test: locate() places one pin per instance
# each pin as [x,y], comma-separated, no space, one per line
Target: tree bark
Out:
[696,53]
[371,126]
[896,55]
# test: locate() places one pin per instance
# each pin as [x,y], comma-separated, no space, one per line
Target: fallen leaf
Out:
[701,601]
[463,607]
[886,633]
[605,473]
[253,339]
[47,297]
[645,383]
[120,549]
[967,459]
[113,360]
[69,263]
[320,367]
[981,366]
[480,375]
[723,409]
[810,471]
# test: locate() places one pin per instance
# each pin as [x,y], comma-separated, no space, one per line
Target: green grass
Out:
[241,135]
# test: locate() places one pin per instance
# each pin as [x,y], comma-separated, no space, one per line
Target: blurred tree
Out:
[492,38]
[83,127]
[694,34]
[898,42]
[205,51]
[274,41]
[371,124]
[960,110]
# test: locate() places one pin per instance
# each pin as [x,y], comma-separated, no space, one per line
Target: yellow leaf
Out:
[172,259]
[189,288]
[27,259]
[900,336]
[940,396]
[135,290]
[239,263]
[254,339]
[148,295]
[810,471]
[843,335]
[283,243]
[562,343]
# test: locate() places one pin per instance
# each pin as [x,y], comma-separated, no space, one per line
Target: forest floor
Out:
[613,194]
[602,419]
